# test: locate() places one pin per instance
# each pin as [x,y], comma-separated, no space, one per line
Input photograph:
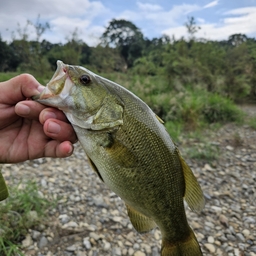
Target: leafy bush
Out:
[219,109]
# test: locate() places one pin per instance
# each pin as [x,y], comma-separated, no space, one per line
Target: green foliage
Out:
[126,37]
[106,59]
[220,109]
[24,209]
[252,123]
[7,75]
[204,151]
[190,82]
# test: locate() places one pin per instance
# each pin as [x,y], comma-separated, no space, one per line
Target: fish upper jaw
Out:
[58,88]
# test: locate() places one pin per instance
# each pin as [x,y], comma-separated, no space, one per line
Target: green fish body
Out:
[132,153]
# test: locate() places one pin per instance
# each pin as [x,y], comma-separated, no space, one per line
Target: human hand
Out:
[28,129]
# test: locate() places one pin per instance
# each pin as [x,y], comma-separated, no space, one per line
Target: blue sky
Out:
[218,19]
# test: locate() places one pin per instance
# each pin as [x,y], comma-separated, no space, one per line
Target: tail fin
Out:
[188,247]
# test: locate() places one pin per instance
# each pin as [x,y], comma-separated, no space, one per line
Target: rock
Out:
[207,167]
[35,234]
[210,240]
[117,219]
[155,251]
[246,232]
[64,218]
[99,201]
[94,236]
[27,241]
[116,251]
[139,253]
[71,224]
[42,242]
[230,148]
[107,246]
[226,225]
[32,216]
[71,248]
[130,251]
[253,249]
[216,209]
[87,243]
[223,220]
[210,247]
[240,237]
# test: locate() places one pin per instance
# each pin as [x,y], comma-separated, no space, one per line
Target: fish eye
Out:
[85,79]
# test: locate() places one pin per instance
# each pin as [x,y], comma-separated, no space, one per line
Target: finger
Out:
[58,149]
[29,109]
[48,113]
[59,130]
[19,88]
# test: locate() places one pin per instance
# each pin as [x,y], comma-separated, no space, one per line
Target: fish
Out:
[3,188]
[131,151]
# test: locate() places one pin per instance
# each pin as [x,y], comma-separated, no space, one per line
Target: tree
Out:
[237,39]
[125,36]
[192,27]
[6,57]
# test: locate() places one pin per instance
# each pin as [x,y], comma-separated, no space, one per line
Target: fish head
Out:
[76,91]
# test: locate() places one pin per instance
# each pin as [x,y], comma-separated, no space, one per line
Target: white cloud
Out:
[242,21]
[241,11]
[200,20]
[211,4]
[63,16]
[89,17]
[63,27]
[149,7]
[163,18]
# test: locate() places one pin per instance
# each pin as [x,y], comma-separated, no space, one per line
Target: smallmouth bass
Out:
[129,148]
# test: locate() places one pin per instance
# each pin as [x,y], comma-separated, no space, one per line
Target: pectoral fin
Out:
[122,155]
[193,192]
[139,221]
[3,188]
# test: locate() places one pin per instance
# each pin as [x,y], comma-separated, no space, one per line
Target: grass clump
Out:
[220,109]
[252,123]
[207,152]
[24,209]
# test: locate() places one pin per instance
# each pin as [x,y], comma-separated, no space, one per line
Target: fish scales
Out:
[131,151]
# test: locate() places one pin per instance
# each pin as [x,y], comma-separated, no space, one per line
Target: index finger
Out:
[19,88]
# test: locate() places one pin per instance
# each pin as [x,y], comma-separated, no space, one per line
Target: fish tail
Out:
[187,247]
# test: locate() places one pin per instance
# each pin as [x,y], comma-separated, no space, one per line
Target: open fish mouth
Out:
[59,84]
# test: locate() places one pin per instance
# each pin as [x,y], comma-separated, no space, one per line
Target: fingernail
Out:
[53,128]
[23,109]
[70,150]
[40,88]
[48,115]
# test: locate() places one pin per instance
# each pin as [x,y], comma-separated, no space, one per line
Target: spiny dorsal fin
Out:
[193,193]
[3,188]
[139,221]
[159,119]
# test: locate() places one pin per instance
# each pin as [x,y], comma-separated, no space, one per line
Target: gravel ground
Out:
[91,220]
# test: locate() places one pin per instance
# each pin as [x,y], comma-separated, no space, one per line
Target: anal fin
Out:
[139,221]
